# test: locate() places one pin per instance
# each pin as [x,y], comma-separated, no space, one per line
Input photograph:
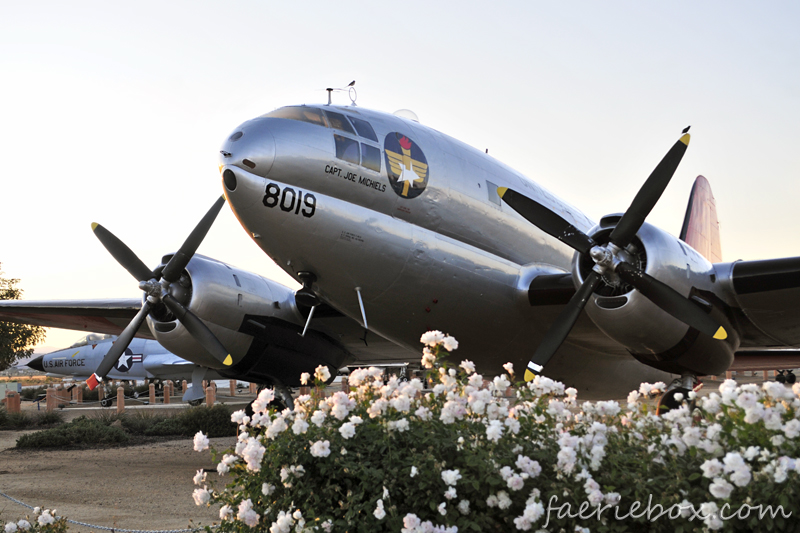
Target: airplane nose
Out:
[250,147]
[37,363]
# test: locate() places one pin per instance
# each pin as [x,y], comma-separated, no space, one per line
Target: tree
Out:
[16,340]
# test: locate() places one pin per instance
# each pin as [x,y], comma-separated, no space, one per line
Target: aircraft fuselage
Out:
[422,235]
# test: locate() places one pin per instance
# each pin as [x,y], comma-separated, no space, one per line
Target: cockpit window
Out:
[347,149]
[364,129]
[91,338]
[302,113]
[338,122]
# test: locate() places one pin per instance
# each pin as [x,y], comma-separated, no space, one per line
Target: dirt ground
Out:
[136,487]
[143,487]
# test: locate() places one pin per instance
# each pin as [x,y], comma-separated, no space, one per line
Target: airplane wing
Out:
[768,296]
[767,312]
[99,316]
[112,315]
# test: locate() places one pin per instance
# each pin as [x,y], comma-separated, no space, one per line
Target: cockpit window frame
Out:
[335,118]
[287,113]
[368,131]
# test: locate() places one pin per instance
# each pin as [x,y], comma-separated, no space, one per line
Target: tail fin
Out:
[700,225]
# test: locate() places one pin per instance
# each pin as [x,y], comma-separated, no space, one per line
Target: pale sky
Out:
[115,112]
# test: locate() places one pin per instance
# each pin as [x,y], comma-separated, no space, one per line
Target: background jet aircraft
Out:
[397,228]
[142,359]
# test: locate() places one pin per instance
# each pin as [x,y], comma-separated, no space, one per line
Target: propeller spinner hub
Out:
[607,258]
[153,289]
[602,256]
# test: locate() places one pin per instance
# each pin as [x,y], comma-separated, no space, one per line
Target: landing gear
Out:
[785,376]
[671,399]
[105,402]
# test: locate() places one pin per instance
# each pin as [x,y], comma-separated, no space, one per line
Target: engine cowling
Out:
[256,319]
[650,334]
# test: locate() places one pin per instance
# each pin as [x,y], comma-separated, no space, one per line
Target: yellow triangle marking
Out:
[721,334]
[685,139]
[501,191]
[529,375]
[228,361]
[94,225]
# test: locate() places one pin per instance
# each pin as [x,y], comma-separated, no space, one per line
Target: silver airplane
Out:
[142,359]
[394,229]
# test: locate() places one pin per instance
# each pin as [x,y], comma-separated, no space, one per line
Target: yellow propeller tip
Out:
[721,334]
[685,139]
[228,361]
[529,375]
[501,191]
[94,225]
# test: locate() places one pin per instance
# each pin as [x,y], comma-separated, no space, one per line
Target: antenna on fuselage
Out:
[351,91]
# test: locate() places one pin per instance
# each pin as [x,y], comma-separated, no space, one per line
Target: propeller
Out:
[611,259]
[156,285]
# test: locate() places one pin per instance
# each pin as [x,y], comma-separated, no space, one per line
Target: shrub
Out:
[45,418]
[138,422]
[106,417]
[31,393]
[80,432]
[42,522]
[387,457]
[213,421]
[25,420]
[14,420]
[90,395]
[166,427]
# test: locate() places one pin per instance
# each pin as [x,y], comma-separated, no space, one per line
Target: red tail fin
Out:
[700,225]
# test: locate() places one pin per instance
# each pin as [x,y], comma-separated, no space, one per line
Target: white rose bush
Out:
[468,455]
[42,521]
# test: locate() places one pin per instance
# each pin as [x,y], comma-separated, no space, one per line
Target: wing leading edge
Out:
[100,316]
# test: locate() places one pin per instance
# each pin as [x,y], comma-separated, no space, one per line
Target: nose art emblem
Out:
[406,164]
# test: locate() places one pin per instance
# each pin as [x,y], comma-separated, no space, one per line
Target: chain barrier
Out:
[114,529]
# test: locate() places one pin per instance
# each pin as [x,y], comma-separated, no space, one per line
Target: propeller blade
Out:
[119,347]
[670,300]
[649,194]
[178,262]
[546,220]
[122,253]
[562,326]
[198,329]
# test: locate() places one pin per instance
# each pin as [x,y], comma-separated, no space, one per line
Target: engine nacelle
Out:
[649,333]
[255,318]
